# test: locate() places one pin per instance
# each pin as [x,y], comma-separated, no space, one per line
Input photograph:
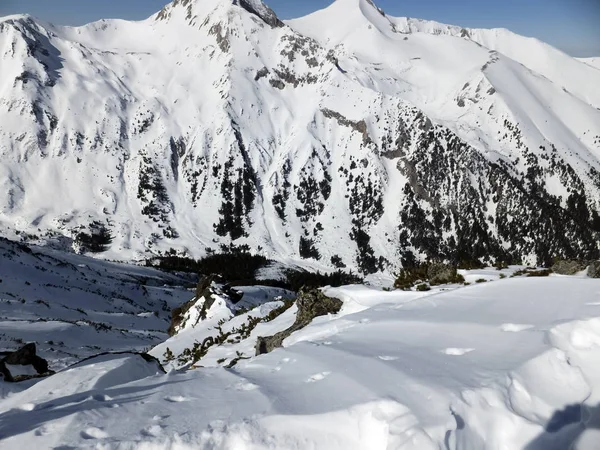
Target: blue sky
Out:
[571,25]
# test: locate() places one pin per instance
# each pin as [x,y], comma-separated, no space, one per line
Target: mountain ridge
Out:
[254,134]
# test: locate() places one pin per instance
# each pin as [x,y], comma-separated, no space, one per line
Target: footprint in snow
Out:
[514,327]
[457,351]
[152,431]
[281,363]
[318,377]
[93,433]
[176,399]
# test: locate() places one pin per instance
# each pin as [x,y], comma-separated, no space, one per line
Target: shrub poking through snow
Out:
[532,272]
[540,273]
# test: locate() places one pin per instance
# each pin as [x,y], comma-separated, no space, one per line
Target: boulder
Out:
[311,303]
[594,269]
[441,273]
[569,267]
[25,364]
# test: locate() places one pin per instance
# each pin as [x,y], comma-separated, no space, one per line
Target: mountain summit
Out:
[195,9]
[365,143]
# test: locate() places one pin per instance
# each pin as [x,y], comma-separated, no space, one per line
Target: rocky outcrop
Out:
[23,364]
[203,290]
[569,267]
[261,10]
[594,269]
[435,273]
[311,303]
[440,273]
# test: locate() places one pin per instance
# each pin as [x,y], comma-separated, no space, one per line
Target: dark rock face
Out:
[569,267]
[258,8]
[311,303]
[25,356]
[594,269]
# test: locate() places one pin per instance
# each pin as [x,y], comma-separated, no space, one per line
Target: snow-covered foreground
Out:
[509,364]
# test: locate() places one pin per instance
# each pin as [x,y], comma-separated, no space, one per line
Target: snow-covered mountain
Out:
[363,142]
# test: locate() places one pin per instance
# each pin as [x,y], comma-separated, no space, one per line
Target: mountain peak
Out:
[258,8]
[194,8]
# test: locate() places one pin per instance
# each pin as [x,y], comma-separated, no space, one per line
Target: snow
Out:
[501,364]
[74,306]
[145,91]
[593,61]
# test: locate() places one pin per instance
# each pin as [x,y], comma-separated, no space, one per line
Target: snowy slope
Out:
[212,122]
[73,307]
[593,61]
[503,364]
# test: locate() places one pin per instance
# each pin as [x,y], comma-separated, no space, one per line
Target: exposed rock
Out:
[203,289]
[594,269]
[235,295]
[261,10]
[569,267]
[441,273]
[311,303]
[358,126]
[25,356]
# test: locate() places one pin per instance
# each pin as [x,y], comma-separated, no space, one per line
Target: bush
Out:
[531,272]
[409,276]
[540,273]
[423,287]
